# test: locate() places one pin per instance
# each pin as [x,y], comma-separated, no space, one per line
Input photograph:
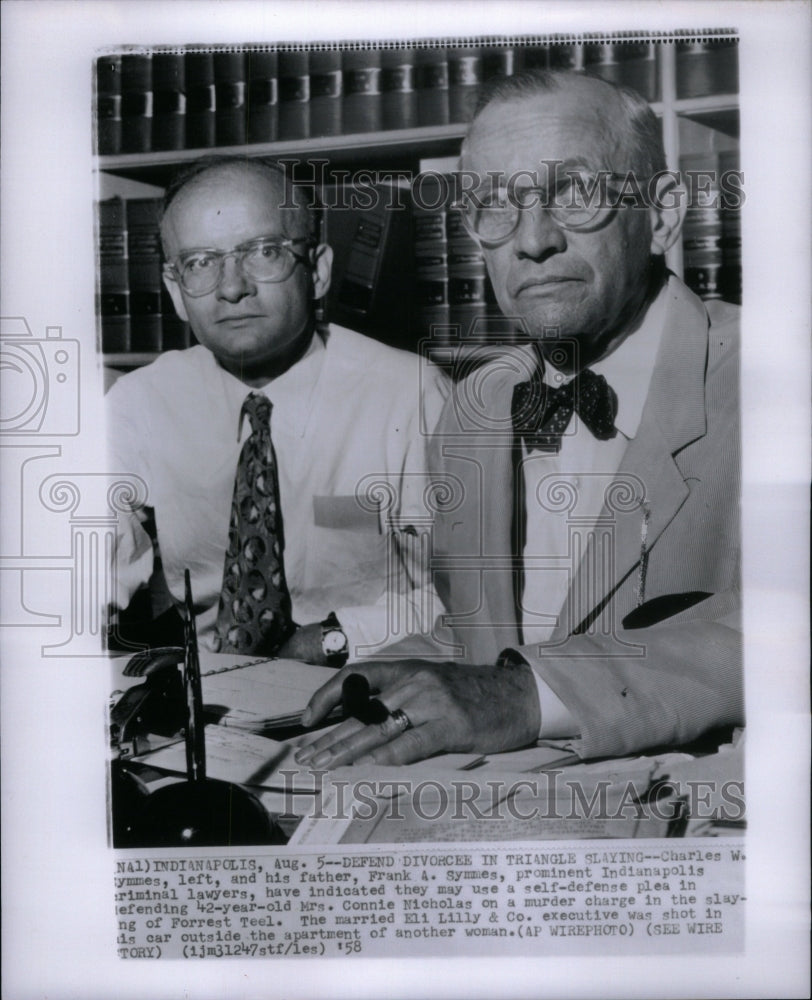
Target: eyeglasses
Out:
[576,201]
[265,259]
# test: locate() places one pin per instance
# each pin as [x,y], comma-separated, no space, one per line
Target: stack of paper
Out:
[260,694]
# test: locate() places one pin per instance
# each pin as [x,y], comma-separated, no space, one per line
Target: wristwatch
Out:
[334,642]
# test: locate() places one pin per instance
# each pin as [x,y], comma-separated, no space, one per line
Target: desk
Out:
[538,793]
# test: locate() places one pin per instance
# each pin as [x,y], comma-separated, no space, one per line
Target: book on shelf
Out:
[326,92]
[398,89]
[469,297]
[464,82]
[563,53]
[626,63]
[197,98]
[294,95]
[136,312]
[702,230]
[431,66]
[368,229]
[535,56]
[362,90]
[144,273]
[114,292]
[108,105]
[456,314]
[229,97]
[263,95]
[707,66]
[136,102]
[168,100]
[731,273]
[499,60]
[201,125]
[430,250]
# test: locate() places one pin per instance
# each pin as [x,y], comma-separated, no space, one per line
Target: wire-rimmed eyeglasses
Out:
[576,201]
[265,259]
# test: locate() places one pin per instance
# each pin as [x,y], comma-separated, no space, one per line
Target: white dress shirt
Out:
[349,425]
[564,492]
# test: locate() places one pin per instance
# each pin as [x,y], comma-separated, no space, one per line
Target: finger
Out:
[351,747]
[326,698]
[415,744]
[379,675]
[347,728]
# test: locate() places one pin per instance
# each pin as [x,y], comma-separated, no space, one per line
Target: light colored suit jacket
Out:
[669,529]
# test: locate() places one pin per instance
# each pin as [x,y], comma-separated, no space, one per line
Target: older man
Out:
[266,447]
[590,561]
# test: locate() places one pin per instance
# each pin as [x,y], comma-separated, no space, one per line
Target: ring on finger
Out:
[401,720]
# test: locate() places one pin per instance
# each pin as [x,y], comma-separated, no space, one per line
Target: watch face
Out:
[334,642]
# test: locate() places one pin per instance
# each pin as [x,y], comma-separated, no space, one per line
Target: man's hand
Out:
[304,644]
[450,708]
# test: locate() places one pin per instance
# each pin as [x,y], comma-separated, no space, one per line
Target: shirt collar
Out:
[292,393]
[628,369]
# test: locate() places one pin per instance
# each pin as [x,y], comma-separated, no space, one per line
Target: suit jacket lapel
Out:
[650,485]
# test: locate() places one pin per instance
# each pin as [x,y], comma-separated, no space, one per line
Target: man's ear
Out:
[669,202]
[322,268]
[175,294]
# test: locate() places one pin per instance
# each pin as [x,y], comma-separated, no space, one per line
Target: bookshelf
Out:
[691,83]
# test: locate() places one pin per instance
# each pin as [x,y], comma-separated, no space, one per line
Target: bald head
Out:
[237,175]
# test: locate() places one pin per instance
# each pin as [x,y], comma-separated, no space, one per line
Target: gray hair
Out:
[641,124]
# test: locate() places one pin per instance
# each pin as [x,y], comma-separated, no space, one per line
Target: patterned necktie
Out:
[541,414]
[255,610]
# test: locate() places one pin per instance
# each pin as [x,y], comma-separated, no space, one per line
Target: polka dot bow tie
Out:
[254,615]
[541,414]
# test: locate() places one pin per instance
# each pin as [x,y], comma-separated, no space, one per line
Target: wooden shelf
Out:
[704,105]
[434,140]
[130,359]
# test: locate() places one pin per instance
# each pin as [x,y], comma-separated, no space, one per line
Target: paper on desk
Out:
[249,693]
[243,758]
[270,692]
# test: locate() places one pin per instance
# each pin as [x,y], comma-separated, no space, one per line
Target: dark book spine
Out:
[326,84]
[498,60]
[168,100]
[535,56]
[640,68]
[432,86]
[707,67]
[367,224]
[702,232]
[731,244]
[136,103]
[362,91]
[114,305]
[600,59]
[565,54]
[294,95]
[398,93]
[144,273]
[108,105]
[627,63]
[175,333]
[430,211]
[467,283]
[464,82]
[263,96]
[200,99]
[229,97]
